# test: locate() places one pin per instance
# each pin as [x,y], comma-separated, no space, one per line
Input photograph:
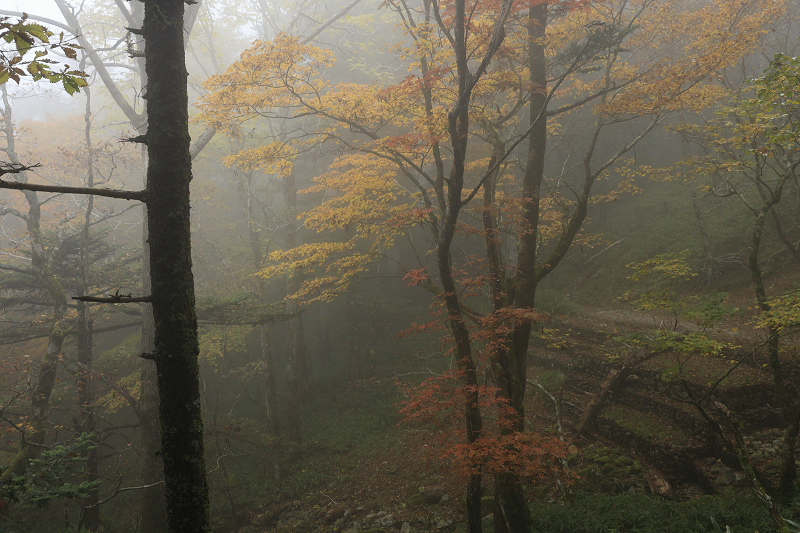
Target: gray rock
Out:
[405,528]
[726,476]
[387,520]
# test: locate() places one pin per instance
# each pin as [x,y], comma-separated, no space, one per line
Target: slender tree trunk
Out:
[297,385]
[351,321]
[789,408]
[90,511]
[33,438]
[458,129]
[708,267]
[169,172]
[258,251]
[788,466]
[269,383]
[511,510]
[323,333]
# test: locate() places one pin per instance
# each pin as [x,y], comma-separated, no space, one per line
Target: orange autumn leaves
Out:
[666,58]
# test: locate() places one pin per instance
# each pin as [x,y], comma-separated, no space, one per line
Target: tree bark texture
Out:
[169,172]
[152,508]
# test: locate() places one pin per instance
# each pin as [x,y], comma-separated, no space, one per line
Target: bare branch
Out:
[108,193]
[114,299]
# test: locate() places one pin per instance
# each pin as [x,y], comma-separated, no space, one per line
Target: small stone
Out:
[405,528]
[444,523]
[387,520]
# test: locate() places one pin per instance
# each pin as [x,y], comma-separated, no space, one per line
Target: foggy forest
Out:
[463,266]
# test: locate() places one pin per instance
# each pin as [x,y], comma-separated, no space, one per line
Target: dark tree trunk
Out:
[152,507]
[511,510]
[169,172]
[790,410]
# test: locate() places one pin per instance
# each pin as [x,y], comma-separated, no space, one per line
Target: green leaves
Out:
[783,312]
[48,477]
[24,37]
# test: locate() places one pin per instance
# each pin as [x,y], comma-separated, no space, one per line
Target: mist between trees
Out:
[404,266]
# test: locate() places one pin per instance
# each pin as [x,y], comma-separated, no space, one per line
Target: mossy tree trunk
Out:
[176,348]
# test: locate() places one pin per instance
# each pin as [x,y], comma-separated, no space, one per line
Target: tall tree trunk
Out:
[511,510]
[257,253]
[169,172]
[90,509]
[297,367]
[790,410]
[351,326]
[458,129]
[708,266]
[269,382]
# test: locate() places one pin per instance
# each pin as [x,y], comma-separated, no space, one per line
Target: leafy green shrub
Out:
[48,477]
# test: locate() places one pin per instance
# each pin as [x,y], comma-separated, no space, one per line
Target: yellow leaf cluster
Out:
[270,77]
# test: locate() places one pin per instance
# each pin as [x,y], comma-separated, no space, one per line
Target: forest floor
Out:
[644,429]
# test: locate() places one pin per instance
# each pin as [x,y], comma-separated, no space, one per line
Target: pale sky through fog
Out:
[44,8]
[26,104]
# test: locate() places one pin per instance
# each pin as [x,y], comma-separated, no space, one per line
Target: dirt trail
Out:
[626,319]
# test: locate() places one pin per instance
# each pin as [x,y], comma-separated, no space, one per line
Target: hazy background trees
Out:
[346,190]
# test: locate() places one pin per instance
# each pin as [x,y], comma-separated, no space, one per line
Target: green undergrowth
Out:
[641,513]
[554,302]
[353,417]
[339,425]
[644,424]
